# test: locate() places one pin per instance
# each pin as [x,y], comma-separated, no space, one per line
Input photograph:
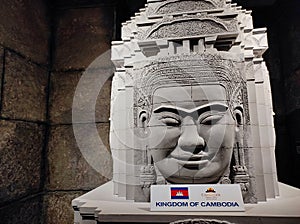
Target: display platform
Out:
[101,206]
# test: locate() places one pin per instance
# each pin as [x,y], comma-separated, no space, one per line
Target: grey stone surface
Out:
[24,89]
[68,169]
[24,27]
[25,211]
[58,207]
[82,35]
[93,107]
[21,146]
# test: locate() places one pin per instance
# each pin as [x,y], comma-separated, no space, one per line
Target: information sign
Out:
[215,197]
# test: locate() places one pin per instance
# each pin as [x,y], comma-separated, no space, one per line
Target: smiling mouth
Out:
[193,162]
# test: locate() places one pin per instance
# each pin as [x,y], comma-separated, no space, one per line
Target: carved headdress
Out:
[189,69]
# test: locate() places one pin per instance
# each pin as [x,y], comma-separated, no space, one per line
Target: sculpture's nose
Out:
[190,140]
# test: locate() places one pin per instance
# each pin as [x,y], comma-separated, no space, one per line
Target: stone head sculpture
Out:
[181,111]
[191,110]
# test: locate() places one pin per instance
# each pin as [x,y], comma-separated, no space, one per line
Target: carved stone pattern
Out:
[183,6]
[244,99]
[171,6]
[200,221]
[185,70]
[189,26]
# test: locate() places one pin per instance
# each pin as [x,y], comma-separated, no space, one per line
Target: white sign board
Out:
[214,197]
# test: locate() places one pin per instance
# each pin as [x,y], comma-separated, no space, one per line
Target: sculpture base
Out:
[101,206]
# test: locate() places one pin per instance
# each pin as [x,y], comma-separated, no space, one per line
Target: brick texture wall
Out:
[24,48]
[81,33]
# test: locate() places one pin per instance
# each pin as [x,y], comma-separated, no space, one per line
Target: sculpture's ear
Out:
[238,113]
[143,118]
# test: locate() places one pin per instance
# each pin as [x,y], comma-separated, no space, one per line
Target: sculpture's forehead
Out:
[190,96]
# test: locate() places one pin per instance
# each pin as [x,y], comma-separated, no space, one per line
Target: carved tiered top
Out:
[168,27]
[176,19]
[192,26]
[182,6]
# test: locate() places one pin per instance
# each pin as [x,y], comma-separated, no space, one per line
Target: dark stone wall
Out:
[45,49]
[24,44]
[24,28]
[81,33]
[24,89]
[58,207]
[27,210]
[289,47]
[21,159]
[282,19]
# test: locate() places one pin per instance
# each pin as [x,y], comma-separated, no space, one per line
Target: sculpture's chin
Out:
[180,180]
[192,172]
[192,176]
[191,180]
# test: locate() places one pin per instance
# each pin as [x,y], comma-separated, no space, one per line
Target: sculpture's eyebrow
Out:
[207,107]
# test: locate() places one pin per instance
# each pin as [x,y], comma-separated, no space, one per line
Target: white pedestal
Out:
[101,206]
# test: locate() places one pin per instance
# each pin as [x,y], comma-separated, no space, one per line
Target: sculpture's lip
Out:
[189,157]
[195,165]
[195,161]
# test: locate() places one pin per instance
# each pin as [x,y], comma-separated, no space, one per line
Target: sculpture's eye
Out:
[211,119]
[170,121]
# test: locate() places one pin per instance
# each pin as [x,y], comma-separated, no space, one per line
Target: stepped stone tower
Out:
[191,100]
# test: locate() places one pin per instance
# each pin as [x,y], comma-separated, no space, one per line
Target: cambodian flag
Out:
[179,193]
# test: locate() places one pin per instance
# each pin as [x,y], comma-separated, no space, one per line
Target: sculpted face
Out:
[193,133]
